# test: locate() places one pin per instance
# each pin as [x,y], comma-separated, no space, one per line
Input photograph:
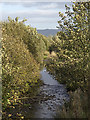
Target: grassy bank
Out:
[77,107]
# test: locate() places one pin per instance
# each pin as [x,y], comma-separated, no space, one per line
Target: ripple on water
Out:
[54,96]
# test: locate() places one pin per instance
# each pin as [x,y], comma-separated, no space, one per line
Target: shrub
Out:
[20,71]
[71,67]
[77,107]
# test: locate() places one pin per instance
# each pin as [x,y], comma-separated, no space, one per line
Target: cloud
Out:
[37,1]
[46,5]
[38,14]
[39,5]
[43,23]
[32,13]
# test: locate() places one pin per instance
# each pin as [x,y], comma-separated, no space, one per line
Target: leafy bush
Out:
[71,45]
[35,42]
[20,71]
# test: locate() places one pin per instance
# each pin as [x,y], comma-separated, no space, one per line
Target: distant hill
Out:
[48,32]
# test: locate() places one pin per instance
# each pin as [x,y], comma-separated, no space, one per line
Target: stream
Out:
[51,96]
[55,93]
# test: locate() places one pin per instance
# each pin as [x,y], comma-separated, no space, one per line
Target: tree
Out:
[16,19]
[20,71]
[71,66]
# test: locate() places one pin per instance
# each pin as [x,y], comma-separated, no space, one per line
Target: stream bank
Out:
[51,95]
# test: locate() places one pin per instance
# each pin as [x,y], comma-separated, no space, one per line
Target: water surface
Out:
[51,96]
[55,95]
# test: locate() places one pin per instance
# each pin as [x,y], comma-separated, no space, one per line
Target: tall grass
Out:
[77,107]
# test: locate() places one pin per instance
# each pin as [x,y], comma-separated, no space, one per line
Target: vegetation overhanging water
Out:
[23,52]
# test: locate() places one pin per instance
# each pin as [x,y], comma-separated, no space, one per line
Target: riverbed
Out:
[50,98]
[55,93]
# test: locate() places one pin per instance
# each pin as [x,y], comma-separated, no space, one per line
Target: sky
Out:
[40,15]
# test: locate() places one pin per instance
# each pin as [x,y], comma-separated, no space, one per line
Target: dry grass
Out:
[77,107]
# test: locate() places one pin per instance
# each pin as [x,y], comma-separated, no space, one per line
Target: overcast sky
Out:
[42,15]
